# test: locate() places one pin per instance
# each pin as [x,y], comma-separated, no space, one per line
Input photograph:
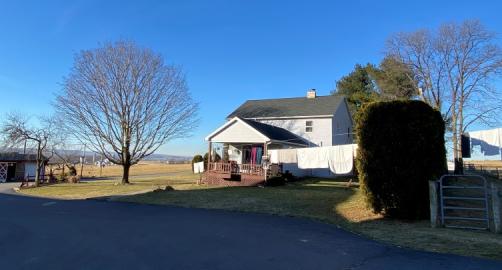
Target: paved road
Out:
[49,234]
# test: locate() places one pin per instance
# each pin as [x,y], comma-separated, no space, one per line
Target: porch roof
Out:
[244,130]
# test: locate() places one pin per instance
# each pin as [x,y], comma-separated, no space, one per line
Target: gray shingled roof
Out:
[284,107]
[275,133]
[13,156]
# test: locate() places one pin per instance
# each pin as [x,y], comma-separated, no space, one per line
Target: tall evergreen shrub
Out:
[401,148]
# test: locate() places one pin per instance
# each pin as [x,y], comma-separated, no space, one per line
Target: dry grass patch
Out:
[143,168]
[103,188]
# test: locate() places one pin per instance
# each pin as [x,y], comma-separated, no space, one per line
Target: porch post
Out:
[265,150]
[209,154]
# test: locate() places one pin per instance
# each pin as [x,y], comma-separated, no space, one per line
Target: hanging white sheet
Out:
[313,158]
[341,158]
[283,156]
[274,156]
[198,167]
[490,140]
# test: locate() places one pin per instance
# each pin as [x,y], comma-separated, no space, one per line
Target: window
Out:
[309,126]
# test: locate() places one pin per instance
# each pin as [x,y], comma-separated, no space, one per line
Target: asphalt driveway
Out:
[51,234]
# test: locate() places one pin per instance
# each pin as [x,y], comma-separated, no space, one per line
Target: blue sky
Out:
[231,51]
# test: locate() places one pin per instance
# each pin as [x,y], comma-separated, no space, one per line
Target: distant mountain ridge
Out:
[164,157]
[74,155]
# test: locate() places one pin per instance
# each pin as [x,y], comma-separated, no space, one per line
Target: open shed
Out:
[18,167]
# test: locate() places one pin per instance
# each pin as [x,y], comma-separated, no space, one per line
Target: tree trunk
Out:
[125,175]
[459,165]
[37,175]
[456,137]
[457,153]
[39,162]
[459,161]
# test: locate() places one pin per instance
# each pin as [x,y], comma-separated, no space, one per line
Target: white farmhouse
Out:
[261,125]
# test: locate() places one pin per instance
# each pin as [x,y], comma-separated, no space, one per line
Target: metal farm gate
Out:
[464,202]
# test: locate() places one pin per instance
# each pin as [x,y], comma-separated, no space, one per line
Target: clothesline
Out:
[489,140]
[339,158]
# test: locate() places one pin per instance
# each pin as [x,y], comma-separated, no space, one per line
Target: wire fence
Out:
[494,171]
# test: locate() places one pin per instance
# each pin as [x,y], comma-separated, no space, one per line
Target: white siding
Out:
[342,126]
[238,132]
[321,134]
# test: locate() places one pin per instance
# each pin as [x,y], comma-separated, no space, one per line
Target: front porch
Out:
[233,174]
[238,152]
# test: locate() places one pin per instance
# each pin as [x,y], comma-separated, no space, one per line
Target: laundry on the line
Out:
[198,167]
[339,158]
[489,140]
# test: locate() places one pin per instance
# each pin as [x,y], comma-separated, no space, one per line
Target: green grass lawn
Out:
[332,202]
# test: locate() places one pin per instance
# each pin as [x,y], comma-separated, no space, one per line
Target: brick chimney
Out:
[311,93]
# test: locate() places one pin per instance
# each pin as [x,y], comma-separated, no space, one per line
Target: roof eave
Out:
[290,143]
[228,123]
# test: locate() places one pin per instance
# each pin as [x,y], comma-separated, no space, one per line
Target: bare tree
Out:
[457,65]
[16,132]
[417,50]
[123,102]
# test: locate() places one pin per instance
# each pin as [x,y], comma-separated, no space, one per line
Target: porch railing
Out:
[233,168]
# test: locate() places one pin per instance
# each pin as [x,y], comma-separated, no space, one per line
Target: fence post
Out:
[433,202]
[496,208]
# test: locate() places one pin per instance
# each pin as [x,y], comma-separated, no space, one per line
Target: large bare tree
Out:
[16,132]
[124,102]
[456,66]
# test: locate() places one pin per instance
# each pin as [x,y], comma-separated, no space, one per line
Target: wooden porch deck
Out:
[233,174]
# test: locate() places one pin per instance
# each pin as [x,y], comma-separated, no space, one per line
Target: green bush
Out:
[215,157]
[62,177]
[401,148]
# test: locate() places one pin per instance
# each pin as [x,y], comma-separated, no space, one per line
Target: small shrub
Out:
[74,179]
[288,176]
[168,188]
[275,181]
[162,189]
[62,177]
[401,148]
[72,170]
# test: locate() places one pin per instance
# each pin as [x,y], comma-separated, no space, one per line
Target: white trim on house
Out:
[231,122]
[287,142]
[291,117]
